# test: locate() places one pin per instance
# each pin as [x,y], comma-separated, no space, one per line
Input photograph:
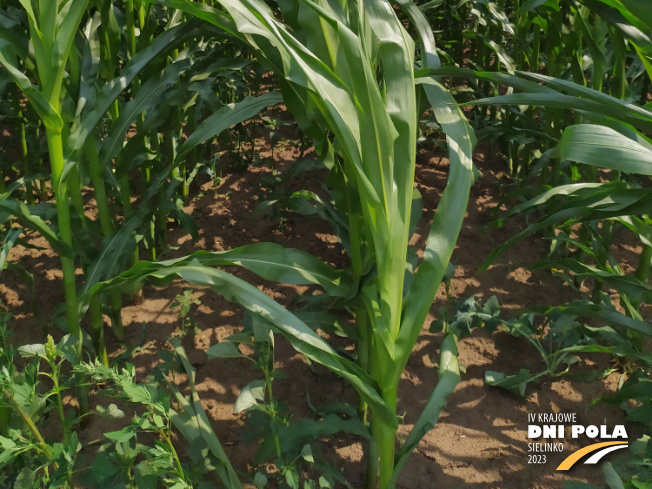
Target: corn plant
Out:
[616,140]
[350,83]
[632,19]
[593,43]
[52,30]
[52,26]
[610,131]
[77,97]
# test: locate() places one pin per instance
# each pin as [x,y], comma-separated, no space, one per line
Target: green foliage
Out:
[335,90]
[118,107]
[287,444]
[88,94]
[581,211]
[123,458]
[32,459]
[561,340]
[469,313]
[27,459]
[183,302]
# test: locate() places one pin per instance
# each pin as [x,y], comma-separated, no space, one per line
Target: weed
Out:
[184,302]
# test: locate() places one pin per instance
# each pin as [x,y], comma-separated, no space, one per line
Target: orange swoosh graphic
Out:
[575,456]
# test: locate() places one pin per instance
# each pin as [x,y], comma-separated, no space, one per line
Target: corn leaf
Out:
[147,97]
[572,189]
[275,263]
[23,213]
[510,80]
[605,313]
[204,12]
[68,20]
[226,117]
[447,222]
[96,111]
[8,242]
[633,288]
[116,251]
[302,338]
[624,112]
[529,6]
[603,202]
[604,147]
[449,377]
[194,424]
[43,107]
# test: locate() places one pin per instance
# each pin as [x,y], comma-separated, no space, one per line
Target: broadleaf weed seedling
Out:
[157,463]
[558,340]
[258,395]
[268,419]
[29,457]
[184,302]
[35,455]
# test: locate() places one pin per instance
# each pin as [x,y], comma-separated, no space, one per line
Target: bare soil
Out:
[480,441]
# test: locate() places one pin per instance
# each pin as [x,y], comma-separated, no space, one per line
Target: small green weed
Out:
[124,458]
[184,302]
[289,445]
[32,456]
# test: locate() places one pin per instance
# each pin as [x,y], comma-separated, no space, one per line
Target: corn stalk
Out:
[347,74]
[52,29]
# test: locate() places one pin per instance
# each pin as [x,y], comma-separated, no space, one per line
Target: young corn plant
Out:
[70,106]
[601,44]
[76,94]
[613,136]
[52,27]
[346,71]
